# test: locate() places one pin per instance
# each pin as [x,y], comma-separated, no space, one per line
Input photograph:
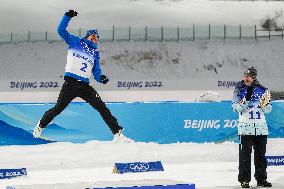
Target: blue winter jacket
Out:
[77,44]
[252,120]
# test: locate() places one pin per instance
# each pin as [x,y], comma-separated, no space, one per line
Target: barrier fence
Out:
[195,32]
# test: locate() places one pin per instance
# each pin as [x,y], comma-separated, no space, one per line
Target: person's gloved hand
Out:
[71,13]
[265,99]
[104,79]
[249,93]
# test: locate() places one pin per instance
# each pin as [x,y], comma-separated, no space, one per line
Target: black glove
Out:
[249,93]
[71,13]
[104,79]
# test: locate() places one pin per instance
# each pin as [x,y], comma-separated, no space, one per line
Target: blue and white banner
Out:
[275,160]
[137,167]
[166,122]
[11,173]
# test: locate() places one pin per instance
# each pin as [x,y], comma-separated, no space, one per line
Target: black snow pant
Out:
[245,149]
[73,88]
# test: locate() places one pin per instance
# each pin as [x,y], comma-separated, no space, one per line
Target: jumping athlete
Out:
[83,61]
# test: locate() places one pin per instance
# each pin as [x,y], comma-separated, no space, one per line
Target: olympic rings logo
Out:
[141,167]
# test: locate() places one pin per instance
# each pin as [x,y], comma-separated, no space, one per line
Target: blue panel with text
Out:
[11,173]
[136,167]
[275,160]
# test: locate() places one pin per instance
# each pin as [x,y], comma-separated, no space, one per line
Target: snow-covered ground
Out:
[207,165]
[118,96]
[21,16]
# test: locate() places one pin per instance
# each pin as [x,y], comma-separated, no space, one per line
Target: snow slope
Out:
[208,165]
[178,65]
[186,69]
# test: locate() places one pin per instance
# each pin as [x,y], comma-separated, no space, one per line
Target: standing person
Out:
[82,62]
[251,100]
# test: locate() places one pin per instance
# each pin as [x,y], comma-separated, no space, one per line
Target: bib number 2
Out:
[83,69]
[254,115]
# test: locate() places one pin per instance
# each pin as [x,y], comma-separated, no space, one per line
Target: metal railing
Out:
[195,32]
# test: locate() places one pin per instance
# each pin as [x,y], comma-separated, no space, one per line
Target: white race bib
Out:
[252,115]
[79,63]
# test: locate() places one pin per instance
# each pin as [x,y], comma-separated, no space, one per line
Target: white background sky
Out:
[40,15]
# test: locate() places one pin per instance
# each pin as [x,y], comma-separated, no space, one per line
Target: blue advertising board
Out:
[11,173]
[138,167]
[165,122]
[176,186]
[275,160]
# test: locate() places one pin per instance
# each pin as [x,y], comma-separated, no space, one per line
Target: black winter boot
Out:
[264,184]
[245,184]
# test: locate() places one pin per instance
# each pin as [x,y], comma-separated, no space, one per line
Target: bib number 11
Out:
[254,115]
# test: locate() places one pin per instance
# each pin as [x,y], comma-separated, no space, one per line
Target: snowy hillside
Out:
[207,165]
[172,65]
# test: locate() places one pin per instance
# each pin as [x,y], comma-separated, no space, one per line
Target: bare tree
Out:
[271,23]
